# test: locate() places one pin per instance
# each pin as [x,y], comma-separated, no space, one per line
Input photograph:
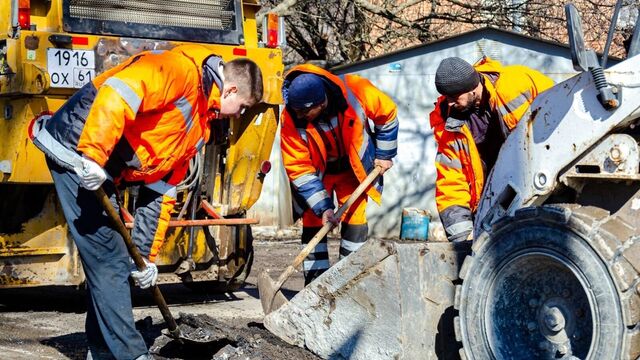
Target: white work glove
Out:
[91,175]
[147,277]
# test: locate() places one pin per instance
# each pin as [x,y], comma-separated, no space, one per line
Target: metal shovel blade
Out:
[271,297]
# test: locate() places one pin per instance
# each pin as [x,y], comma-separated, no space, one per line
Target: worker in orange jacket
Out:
[479,107]
[328,145]
[138,123]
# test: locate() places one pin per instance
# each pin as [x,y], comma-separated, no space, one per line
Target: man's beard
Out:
[471,106]
[467,109]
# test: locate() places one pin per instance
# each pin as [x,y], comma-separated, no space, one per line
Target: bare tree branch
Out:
[283,8]
[339,31]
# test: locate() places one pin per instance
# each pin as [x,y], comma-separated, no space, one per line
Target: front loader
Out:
[553,271]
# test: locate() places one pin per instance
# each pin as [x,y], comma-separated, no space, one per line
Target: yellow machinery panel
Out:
[40,253]
[35,247]
[24,163]
[249,147]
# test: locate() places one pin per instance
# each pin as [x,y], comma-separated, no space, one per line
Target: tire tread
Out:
[616,243]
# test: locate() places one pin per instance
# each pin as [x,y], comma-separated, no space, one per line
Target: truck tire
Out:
[551,282]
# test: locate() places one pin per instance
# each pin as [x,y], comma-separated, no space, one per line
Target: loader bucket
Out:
[388,300]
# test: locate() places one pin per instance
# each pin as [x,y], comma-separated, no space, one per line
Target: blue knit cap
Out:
[305,91]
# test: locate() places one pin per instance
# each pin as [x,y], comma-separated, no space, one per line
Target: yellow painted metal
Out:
[31,251]
[30,75]
[42,253]
[46,229]
[251,142]
[27,60]
[26,161]
[176,244]
[46,15]
[270,62]
[250,27]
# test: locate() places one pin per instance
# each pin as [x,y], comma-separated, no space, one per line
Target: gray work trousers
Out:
[105,260]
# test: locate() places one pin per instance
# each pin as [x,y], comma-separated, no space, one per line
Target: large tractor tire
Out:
[552,282]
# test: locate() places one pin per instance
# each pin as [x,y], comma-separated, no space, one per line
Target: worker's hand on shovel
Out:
[383,164]
[91,175]
[329,216]
[147,277]
[271,297]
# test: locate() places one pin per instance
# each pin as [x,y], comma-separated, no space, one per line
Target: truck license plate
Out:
[70,68]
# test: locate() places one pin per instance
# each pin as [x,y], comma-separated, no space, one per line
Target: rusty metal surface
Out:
[208,222]
[388,300]
[11,252]
[616,156]
[209,209]
[42,253]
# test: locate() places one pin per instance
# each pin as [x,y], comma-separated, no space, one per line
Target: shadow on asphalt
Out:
[72,300]
[73,346]
[252,291]
[65,299]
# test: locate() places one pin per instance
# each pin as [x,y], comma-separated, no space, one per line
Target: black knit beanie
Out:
[456,76]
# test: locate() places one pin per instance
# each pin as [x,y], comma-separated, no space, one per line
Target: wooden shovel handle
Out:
[137,259]
[327,227]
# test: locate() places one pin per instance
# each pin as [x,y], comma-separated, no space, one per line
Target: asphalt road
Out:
[48,323]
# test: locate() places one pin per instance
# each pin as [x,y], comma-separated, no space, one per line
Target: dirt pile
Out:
[215,340]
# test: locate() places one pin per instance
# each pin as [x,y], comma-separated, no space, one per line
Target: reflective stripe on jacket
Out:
[154,101]
[143,119]
[460,174]
[304,153]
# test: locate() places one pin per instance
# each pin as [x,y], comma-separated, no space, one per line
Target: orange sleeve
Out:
[378,106]
[526,84]
[295,153]
[150,83]
[452,186]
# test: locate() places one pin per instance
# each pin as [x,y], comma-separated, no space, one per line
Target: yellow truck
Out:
[51,48]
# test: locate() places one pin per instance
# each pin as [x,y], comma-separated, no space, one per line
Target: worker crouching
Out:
[328,146]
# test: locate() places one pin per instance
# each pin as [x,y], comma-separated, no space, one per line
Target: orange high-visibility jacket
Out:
[460,175]
[151,113]
[305,155]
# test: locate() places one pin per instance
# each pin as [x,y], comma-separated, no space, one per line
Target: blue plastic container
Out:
[415,224]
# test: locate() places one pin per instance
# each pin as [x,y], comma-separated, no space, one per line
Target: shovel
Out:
[270,295]
[199,335]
